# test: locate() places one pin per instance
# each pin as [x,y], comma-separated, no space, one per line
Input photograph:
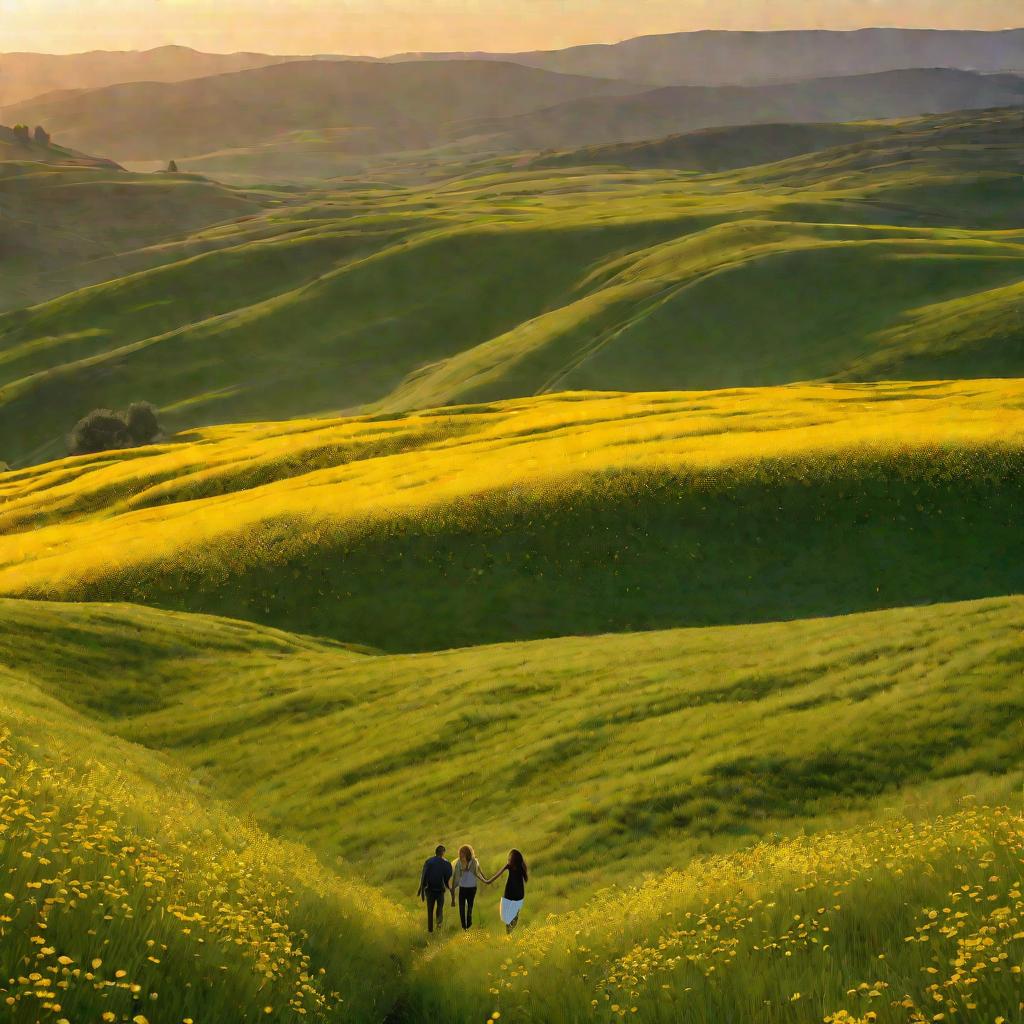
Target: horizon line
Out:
[557,49]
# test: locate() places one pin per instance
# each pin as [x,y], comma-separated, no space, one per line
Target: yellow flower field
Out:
[187,521]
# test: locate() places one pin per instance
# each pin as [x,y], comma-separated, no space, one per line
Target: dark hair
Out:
[439,850]
[516,860]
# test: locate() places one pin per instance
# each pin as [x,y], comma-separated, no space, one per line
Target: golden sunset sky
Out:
[388,26]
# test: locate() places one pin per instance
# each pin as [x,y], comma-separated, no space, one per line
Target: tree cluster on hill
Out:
[39,135]
[105,430]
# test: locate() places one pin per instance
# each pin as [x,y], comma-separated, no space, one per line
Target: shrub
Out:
[99,431]
[103,429]
[41,135]
[172,167]
[21,131]
[142,423]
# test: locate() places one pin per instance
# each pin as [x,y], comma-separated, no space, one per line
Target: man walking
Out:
[435,880]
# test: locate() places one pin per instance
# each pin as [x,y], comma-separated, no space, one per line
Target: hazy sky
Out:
[390,26]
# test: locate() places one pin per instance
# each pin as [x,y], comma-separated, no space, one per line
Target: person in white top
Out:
[467,877]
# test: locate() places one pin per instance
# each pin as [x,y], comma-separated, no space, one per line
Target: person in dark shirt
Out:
[435,881]
[515,888]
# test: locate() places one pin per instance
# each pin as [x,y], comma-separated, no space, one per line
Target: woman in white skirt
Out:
[515,888]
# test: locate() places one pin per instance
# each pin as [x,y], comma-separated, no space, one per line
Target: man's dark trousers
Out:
[435,899]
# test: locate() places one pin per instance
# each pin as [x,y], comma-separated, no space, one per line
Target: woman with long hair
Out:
[515,888]
[467,876]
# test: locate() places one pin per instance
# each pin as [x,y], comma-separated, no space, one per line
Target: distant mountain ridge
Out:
[159,121]
[484,106]
[650,115]
[24,76]
[683,58]
[756,58]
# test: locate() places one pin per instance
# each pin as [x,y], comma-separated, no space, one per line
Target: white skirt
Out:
[510,909]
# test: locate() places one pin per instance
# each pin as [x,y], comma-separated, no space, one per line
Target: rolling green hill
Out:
[570,514]
[72,220]
[130,894]
[642,747]
[137,894]
[717,149]
[398,297]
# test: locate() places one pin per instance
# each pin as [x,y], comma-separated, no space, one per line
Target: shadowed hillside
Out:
[71,219]
[157,121]
[717,149]
[594,121]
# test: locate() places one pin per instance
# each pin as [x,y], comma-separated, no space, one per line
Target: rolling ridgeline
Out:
[525,281]
[622,534]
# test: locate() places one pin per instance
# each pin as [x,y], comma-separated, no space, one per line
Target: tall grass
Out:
[126,901]
[896,922]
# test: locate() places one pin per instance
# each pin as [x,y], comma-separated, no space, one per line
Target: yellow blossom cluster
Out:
[909,922]
[100,921]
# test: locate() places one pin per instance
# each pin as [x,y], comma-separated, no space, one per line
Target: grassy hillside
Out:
[161,120]
[717,149]
[19,149]
[899,922]
[399,297]
[128,893]
[590,753]
[72,220]
[568,514]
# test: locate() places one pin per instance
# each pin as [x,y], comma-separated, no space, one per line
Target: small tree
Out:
[100,431]
[172,167]
[21,131]
[41,135]
[142,423]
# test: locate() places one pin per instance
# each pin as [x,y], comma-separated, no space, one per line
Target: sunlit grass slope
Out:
[129,896]
[545,517]
[887,258]
[592,753]
[894,923]
[128,893]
